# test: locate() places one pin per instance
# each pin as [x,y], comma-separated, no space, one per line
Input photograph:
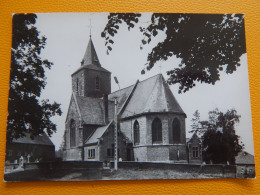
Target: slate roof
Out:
[245,158]
[194,137]
[90,59]
[152,95]
[98,133]
[41,139]
[90,56]
[121,96]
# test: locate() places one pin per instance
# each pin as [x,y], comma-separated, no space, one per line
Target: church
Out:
[150,121]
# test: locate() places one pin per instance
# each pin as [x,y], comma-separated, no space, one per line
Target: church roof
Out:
[194,137]
[245,158]
[149,96]
[152,95]
[90,56]
[90,59]
[92,110]
[98,133]
[41,139]
[121,96]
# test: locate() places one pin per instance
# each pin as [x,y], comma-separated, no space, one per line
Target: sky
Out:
[67,38]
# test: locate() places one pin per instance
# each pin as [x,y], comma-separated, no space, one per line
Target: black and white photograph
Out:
[128,96]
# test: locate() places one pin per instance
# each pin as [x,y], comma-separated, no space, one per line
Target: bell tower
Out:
[91,79]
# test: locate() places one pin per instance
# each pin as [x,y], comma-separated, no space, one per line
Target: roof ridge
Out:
[121,89]
[151,77]
[139,82]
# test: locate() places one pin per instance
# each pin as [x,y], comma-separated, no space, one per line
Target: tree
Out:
[195,126]
[205,43]
[27,114]
[220,142]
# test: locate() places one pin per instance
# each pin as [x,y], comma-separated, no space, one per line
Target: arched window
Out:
[72,133]
[157,131]
[176,131]
[136,133]
[97,83]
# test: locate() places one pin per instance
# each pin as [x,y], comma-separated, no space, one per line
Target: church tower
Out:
[91,79]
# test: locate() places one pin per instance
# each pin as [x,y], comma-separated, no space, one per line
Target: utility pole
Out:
[115,139]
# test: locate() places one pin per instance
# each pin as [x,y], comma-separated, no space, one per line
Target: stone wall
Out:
[127,129]
[90,83]
[148,151]
[218,171]
[106,143]
[78,83]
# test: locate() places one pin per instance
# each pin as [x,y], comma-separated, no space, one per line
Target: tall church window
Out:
[136,133]
[77,86]
[157,131]
[72,133]
[97,83]
[195,152]
[176,131]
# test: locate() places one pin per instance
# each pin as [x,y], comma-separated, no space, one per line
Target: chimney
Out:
[105,100]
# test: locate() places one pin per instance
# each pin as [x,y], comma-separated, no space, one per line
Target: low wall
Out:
[226,171]
[56,170]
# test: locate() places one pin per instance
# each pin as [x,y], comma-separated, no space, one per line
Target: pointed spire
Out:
[90,56]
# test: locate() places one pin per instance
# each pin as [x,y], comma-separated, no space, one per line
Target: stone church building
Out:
[151,123]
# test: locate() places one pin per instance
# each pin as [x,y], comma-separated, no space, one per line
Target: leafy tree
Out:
[27,114]
[206,44]
[220,142]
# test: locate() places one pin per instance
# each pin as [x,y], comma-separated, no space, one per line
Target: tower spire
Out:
[90,56]
[90,27]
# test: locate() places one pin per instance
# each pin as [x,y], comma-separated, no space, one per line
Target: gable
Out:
[73,111]
[245,158]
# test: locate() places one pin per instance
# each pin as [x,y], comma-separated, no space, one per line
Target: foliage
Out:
[195,126]
[206,44]
[220,142]
[27,78]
